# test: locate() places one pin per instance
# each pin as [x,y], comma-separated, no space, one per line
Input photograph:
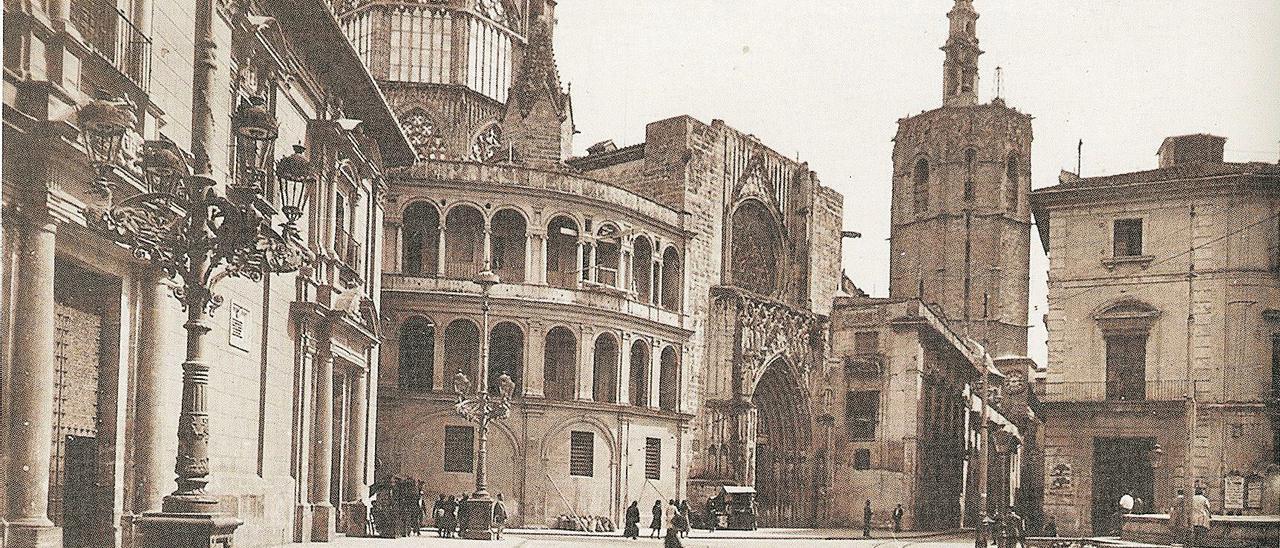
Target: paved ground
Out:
[763,538]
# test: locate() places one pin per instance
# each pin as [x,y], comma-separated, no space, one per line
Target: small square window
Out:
[1127,237]
[459,442]
[866,342]
[861,459]
[861,409]
[581,454]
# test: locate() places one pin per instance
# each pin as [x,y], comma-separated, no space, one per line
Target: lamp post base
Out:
[479,524]
[187,530]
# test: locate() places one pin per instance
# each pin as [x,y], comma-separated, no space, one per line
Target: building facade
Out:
[92,336]
[663,304]
[1162,331]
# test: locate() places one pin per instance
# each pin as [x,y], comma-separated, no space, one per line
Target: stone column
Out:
[397,262]
[353,484]
[488,245]
[439,376]
[592,275]
[586,362]
[624,370]
[657,284]
[540,266]
[322,518]
[535,361]
[158,387]
[30,408]
[440,251]
[577,265]
[655,373]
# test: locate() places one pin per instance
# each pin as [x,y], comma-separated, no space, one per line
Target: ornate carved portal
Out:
[775,350]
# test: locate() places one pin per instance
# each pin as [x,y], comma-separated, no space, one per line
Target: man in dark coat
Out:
[437,514]
[897,518]
[499,515]
[632,529]
[866,520]
[655,526]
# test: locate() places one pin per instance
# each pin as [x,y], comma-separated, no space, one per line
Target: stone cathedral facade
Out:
[662,306]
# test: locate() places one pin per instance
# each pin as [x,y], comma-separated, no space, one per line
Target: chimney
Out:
[1191,149]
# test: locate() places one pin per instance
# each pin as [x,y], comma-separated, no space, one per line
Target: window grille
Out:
[581,454]
[653,458]
[459,442]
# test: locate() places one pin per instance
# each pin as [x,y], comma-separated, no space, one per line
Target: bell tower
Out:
[960,69]
[960,231]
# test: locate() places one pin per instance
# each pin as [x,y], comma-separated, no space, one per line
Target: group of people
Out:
[674,516]
[451,514]
[398,509]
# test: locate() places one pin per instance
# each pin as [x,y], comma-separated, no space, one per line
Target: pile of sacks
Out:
[590,524]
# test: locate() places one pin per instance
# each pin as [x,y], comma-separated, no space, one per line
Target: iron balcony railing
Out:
[110,32]
[1115,391]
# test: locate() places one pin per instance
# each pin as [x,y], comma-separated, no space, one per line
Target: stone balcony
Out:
[592,296]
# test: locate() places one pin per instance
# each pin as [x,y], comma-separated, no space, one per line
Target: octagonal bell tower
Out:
[961,227]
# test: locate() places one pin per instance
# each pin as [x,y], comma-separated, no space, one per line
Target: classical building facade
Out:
[662,306]
[1163,329]
[91,338]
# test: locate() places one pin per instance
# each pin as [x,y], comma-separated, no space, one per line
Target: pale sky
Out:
[828,79]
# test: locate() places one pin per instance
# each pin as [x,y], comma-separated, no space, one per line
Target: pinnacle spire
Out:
[538,123]
[960,69]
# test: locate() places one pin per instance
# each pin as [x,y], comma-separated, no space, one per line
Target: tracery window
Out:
[493,9]
[756,248]
[487,145]
[421,131]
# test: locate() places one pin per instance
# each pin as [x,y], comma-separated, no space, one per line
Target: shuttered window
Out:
[653,458]
[1126,366]
[1127,235]
[581,454]
[861,409]
[458,444]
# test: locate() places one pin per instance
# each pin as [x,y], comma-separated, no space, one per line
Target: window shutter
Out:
[581,454]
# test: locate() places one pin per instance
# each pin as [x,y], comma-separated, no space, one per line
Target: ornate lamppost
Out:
[1156,457]
[198,236]
[479,407]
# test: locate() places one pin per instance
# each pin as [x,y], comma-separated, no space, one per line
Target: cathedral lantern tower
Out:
[470,80]
[961,227]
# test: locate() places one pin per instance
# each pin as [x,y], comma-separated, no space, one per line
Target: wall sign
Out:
[1233,492]
[238,327]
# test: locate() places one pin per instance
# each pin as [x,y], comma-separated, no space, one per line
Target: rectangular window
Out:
[861,459]
[1127,237]
[459,441]
[866,342]
[582,453]
[653,458]
[1126,366]
[861,410]
[1275,370]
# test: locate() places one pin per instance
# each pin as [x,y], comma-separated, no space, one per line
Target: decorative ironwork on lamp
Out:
[104,122]
[295,175]
[185,226]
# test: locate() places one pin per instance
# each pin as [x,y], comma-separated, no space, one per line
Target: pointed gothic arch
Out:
[756,248]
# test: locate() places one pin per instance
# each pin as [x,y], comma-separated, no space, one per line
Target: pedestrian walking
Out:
[463,513]
[655,525]
[1179,518]
[450,517]
[1200,517]
[866,520]
[897,518]
[711,519]
[672,540]
[419,509]
[687,514]
[632,528]
[499,515]
[437,515]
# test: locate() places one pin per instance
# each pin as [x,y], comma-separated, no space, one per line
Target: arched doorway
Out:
[783,439]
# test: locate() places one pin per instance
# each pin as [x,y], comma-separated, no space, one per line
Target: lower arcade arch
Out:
[783,464]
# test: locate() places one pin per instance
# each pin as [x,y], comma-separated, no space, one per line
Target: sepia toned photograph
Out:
[668,273]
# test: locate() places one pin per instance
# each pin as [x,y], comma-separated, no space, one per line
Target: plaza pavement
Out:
[760,538]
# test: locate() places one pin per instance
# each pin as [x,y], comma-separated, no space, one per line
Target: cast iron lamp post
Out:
[1156,456]
[198,236]
[479,408]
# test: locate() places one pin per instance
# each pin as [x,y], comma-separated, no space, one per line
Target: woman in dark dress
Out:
[632,530]
[655,526]
[449,521]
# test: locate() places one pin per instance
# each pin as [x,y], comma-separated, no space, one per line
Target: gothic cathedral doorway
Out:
[783,464]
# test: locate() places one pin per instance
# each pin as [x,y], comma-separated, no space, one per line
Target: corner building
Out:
[1164,328]
[662,306]
[92,338]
